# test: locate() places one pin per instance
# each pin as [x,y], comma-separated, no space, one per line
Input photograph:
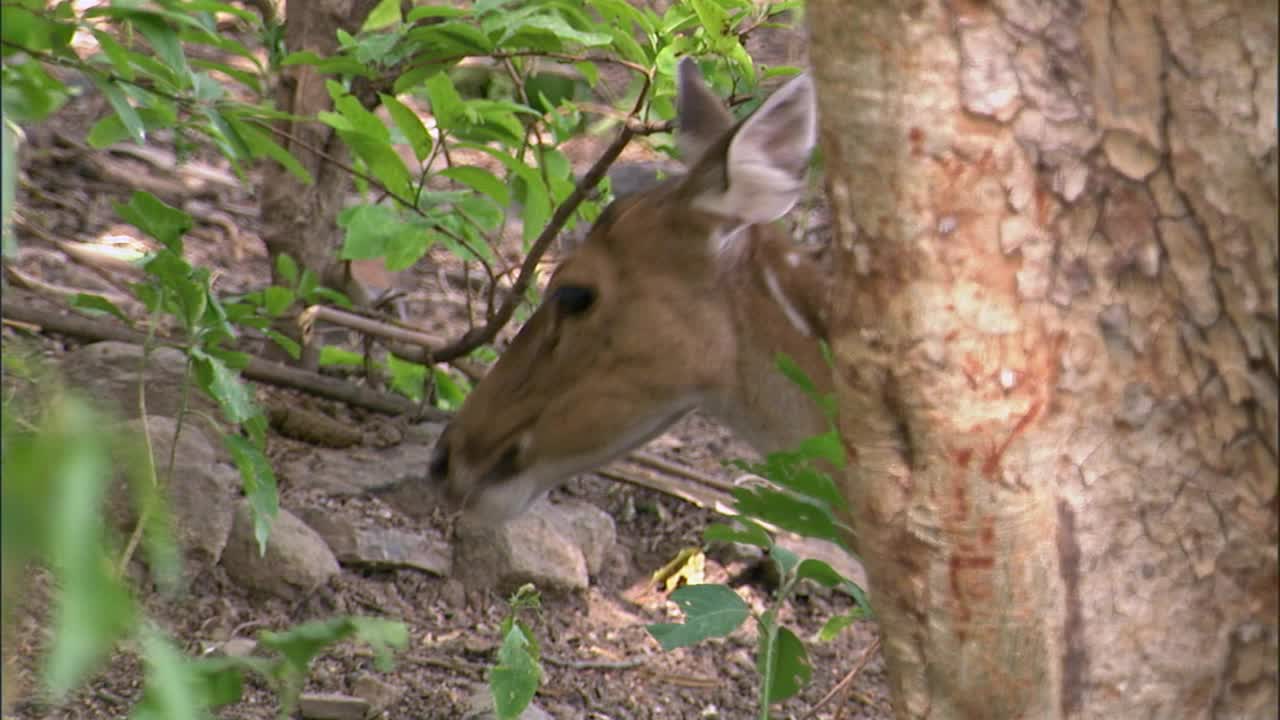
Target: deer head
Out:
[678,298]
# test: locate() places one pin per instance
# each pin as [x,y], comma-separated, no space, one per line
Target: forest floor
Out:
[599,662]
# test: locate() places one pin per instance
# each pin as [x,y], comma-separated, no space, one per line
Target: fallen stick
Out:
[258,369]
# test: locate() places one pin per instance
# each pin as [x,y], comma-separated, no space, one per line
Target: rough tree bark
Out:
[1057,348]
[299,219]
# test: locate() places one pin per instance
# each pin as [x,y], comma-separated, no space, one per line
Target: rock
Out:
[239,647]
[480,707]
[359,470]
[332,706]
[377,692]
[379,547]
[591,528]
[528,549]
[297,559]
[201,491]
[109,372]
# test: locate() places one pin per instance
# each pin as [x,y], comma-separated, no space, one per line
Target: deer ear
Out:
[701,117]
[765,161]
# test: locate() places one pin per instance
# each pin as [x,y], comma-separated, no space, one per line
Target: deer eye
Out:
[574,299]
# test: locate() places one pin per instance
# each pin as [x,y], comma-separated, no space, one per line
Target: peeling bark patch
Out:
[1075,658]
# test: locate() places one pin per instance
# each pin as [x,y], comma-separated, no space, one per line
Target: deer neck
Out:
[777,296]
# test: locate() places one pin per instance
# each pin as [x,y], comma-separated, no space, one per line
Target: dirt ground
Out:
[598,660]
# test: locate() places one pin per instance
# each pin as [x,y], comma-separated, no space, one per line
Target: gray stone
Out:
[201,490]
[480,707]
[528,549]
[379,547]
[297,559]
[358,470]
[379,693]
[109,373]
[591,528]
[332,706]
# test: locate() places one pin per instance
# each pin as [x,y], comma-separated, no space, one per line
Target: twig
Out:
[368,326]
[845,683]
[707,499]
[477,337]
[60,292]
[258,369]
[641,457]
[594,664]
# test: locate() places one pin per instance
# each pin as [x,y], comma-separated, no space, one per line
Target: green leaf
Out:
[170,692]
[25,26]
[382,161]
[422,12]
[789,512]
[300,644]
[369,229]
[835,625]
[224,386]
[514,680]
[331,356]
[361,119]
[796,374]
[589,72]
[111,129]
[784,559]
[785,665]
[155,218]
[276,300]
[289,345]
[287,269]
[557,26]
[261,144]
[480,180]
[115,53]
[446,103]
[410,126]
[92,609]
[749,533]
[99,304]
[407,378]
[450,393]
[120,103]
[164,41]
[259,483]
[384,14]
[819,572]
[710,611]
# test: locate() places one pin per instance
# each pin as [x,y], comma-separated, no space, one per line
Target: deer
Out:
[681,296]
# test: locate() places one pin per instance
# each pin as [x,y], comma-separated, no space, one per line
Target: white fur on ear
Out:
[767,158]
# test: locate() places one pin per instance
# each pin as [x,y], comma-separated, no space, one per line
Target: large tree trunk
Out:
[1056,349]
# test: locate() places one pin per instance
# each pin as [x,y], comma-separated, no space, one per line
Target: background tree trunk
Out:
[1057,348]
[302,219]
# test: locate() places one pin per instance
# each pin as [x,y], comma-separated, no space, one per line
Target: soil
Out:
[599,662]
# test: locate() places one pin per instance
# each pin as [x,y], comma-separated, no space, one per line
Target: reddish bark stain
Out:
[962,457]
[988,535]
[972,562]
[961,499]
[992,463]
[971,368]
[916,135]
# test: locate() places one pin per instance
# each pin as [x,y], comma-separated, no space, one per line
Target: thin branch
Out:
[475,338]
